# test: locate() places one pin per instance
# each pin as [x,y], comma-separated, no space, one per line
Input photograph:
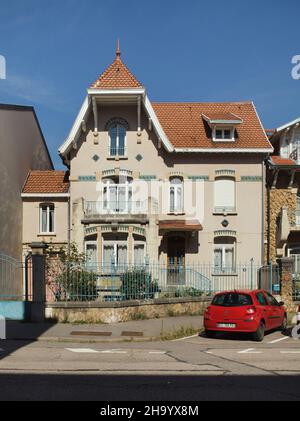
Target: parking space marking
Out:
[82,350]
[249,351]
[188,337]
[279,340]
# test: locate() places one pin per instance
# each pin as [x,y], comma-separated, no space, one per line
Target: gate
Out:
[15,287]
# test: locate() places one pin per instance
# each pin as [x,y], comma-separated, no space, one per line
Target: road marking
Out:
[289,352]
[279,340]
[249,351]
[113,351]
[82,350]
[158,352]
[187,337]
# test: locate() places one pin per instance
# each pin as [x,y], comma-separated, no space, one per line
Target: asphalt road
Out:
[192,369]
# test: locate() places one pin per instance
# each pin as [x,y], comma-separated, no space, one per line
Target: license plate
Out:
[227,325]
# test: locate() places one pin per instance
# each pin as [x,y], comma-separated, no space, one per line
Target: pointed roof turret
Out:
[117,75]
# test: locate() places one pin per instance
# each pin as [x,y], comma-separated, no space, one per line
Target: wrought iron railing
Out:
[121,282]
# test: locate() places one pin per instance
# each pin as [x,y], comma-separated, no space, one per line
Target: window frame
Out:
[223,129]
[178,189]
[224,209]
[42,206]
[117,154]
[223,270]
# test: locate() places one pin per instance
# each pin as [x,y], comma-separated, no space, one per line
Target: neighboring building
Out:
[46,200]
[23,148]
[283,194]
[168,182]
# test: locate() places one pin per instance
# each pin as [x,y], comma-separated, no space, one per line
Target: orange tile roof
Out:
[222,116]
[278,160]
[47,182]
[186,128]
[117,76]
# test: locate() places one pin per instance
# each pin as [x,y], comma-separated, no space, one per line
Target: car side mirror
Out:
[281,304]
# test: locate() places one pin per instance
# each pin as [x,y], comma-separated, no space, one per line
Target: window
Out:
[223,134]
[224,195]
[232,300]
[117,198]
[273,302]
[117,134]
[176,195]
[139,254]
[115,253]
[261,299]
[47,219]
[224,255]
[91,255]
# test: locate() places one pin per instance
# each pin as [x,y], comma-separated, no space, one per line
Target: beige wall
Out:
[22,149]
[247,222]
[31,218]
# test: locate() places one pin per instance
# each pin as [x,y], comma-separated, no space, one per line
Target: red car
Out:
[252,312]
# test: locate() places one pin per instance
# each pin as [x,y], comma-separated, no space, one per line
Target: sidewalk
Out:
[144,330]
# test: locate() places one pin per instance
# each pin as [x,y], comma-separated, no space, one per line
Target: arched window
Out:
[224,255]
[176,195]
[224,195]
[117,134]
[47,218]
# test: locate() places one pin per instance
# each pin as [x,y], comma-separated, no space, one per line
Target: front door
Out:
[176,260]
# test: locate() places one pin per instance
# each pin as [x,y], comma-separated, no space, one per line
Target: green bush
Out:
[76,284]
[188,292]
[137,284]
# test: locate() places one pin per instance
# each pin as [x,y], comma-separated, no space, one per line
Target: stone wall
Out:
[124,312]
[279,198]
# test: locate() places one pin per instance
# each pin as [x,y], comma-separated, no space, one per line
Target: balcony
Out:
[224,210]
[121,211]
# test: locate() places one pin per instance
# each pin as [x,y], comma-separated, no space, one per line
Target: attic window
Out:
[223,134]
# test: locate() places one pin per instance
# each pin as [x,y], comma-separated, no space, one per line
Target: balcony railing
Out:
[118,207]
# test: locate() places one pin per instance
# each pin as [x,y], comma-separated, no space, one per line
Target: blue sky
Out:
[190,50]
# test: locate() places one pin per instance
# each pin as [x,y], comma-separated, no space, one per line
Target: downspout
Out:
[269,225]
[263,212]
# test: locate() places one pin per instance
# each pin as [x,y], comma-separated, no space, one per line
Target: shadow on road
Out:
[112,387]
[20,334]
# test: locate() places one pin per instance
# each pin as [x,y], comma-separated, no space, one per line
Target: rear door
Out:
[276,311]
[265,309]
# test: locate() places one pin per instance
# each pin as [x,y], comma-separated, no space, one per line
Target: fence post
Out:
[38,282]
[286,266]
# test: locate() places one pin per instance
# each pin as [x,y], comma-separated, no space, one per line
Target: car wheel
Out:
[259,335]
[284,325]
[210,334]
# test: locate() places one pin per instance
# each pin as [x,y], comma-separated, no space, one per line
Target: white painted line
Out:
[187,337]
[113,351]
[82,350]
[208,352]
[279,340]
[249,351]
[289,352]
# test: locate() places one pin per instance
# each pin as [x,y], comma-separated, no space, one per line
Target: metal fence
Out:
[15,279]
[68,281]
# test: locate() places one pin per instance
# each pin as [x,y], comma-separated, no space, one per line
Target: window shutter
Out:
[224,193]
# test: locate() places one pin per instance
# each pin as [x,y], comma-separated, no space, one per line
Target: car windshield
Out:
[232,300]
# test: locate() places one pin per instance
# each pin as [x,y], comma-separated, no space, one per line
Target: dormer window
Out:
[223,126]
[223,134]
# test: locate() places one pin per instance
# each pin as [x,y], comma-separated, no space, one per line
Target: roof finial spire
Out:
[118,53]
